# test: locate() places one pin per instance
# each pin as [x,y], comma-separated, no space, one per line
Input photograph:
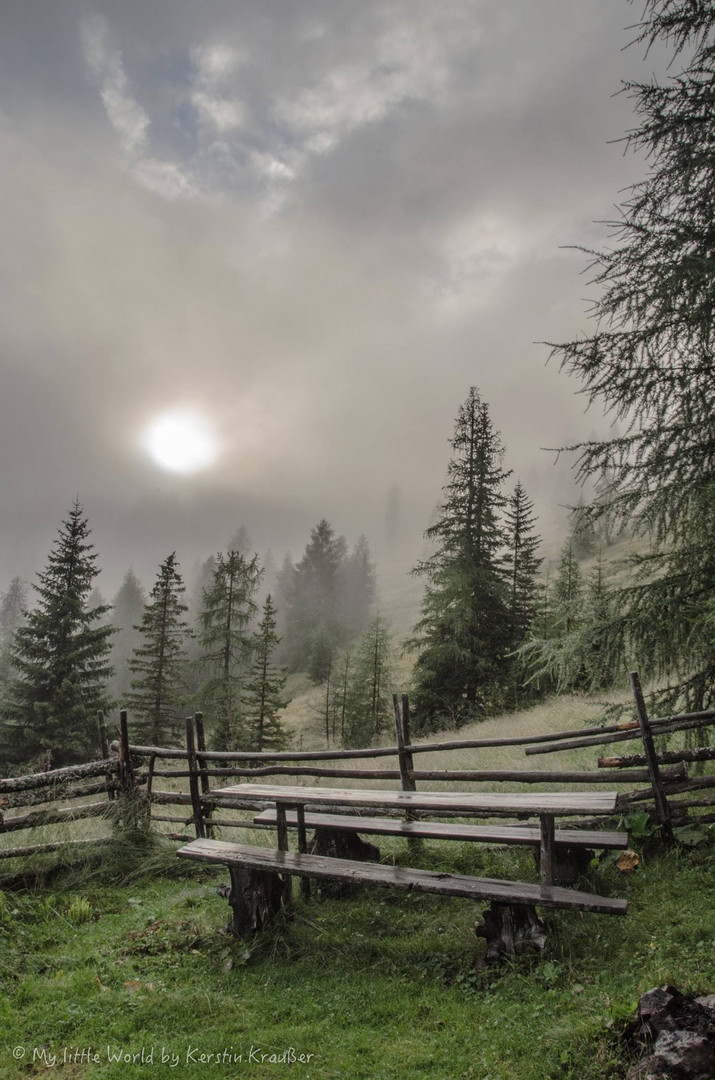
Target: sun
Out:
[181,442]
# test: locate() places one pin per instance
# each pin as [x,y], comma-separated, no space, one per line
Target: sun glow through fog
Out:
[181,442]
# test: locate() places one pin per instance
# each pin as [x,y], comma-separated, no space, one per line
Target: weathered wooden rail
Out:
[129,770]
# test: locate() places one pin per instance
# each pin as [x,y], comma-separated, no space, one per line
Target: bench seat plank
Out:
[322,866]
[460,802]
[443,830]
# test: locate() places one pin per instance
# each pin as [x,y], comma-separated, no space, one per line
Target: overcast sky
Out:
[314,222]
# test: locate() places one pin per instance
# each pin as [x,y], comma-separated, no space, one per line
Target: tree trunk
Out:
[510,929]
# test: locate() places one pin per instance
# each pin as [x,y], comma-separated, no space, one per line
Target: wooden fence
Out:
[126,775]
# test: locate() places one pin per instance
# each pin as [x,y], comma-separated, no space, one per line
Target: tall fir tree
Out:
[228,608]
[602,659]
[313,627]
[265,684]
[357,587]
[60,657]
[12,615]
[521,564]
[368,689]
[127,612]
[13,606]
[463,635]
[158,691]
[650,362]
[554,652]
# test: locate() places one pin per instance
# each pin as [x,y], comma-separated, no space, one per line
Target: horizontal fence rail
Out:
[126,773]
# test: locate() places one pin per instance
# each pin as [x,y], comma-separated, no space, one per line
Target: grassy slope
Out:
[381,985]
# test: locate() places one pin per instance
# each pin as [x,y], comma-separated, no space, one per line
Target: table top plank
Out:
[465,802]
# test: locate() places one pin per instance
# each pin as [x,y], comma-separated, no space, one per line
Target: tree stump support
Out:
[510,930]
[339,844]
[255,897]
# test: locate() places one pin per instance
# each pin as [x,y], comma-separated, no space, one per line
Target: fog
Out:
[317,225]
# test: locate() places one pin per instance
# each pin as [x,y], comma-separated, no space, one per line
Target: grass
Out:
[126,954]
[380,986]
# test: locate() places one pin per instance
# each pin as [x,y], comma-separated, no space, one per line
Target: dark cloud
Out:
[318,224]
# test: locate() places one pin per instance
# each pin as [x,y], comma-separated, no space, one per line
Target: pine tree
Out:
[341,696]
[127,611]
[567,595]
[601,664]
[463,634]
[556,657]
[241,541]
[283,593]
[59,657]
[650,362]
[357,588]
[521,565]
[313,628]
[12,616]
[368,693]
[201,579]
[228,608]
[158,693]
[264,688]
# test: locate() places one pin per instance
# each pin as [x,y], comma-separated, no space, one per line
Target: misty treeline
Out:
[73,654]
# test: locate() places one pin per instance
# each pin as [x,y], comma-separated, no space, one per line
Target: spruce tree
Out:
[463,635]
[12,616]
[60,657]
[158,693]
[602,661]
[313,627]
[264,688]
[650,362]
[555,657]
[521,565]
[127,612]
[357,587]
[368,693]
[228,607]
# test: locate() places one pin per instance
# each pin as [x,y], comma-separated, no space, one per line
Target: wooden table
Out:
[544,805]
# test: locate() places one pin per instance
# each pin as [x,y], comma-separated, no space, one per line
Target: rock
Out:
[683,1028]
[683,1055]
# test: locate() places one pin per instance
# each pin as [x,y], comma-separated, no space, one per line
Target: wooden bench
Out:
[558,863]
[257,892]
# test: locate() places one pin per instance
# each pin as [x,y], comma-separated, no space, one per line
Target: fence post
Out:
[404,757]
[194,778]
[662,809]
[203,764]
[133,815]
[104,749]
[126,769]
